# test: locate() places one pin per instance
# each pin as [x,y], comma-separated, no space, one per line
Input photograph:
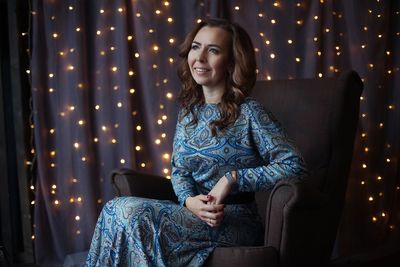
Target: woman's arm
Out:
[181,178]
[273,145]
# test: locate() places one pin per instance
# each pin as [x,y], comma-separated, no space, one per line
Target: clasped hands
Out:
[210,208]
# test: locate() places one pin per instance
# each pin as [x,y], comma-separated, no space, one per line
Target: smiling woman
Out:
[207,60]
[226,147]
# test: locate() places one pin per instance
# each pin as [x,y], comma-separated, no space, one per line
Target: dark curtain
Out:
[104,85]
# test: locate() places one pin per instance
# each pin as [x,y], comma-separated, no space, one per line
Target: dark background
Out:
[327,38]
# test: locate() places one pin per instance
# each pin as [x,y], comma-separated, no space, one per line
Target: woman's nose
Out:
[201,56]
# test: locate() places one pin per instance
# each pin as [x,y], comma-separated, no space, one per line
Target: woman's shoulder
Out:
[251,105]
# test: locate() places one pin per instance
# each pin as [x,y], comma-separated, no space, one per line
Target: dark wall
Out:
[15,219]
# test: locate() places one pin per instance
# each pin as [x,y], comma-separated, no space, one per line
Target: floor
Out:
[389,260]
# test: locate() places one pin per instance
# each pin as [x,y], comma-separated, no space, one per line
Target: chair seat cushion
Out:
[243,256]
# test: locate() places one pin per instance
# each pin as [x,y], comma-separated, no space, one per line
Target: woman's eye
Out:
[214,51]
[195,46]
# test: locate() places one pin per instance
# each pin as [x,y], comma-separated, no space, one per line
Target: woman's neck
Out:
[213,96]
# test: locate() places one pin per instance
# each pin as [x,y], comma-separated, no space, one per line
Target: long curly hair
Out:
[239,81]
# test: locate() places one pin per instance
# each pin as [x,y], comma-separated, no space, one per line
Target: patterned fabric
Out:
[135,231]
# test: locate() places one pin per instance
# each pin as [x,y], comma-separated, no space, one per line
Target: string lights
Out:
[267,50]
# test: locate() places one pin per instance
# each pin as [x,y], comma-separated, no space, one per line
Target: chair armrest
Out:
[297,213]
[127,182]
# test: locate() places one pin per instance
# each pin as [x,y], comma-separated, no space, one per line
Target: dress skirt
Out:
[135,231]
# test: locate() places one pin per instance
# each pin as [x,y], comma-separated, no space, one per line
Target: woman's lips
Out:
[200,70]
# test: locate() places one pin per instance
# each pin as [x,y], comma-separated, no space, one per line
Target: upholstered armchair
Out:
[301,217]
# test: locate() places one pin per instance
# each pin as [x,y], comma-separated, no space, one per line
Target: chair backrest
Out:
[321,116]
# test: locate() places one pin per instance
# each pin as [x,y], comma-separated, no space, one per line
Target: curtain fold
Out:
[104,86]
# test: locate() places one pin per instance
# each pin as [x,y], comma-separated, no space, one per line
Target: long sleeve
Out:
[280,156]
[181,177]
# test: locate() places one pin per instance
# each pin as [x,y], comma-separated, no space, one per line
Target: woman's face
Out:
[208,58]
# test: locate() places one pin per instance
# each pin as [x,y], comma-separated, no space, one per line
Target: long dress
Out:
[135,231]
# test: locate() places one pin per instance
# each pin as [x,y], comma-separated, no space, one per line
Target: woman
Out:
[226,147]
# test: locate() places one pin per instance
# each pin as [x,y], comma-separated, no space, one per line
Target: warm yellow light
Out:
[272,55]
[130,37]
[119,104]
[95,139]
[81,122]
[290,41]
[104,128]
[77,218]
[364,166]
[370,199]
[56,202]
[55,35]
[166,171]
[78,29]
[169,95]
[113,141]
[273,21]
[297,59]
[97,107]
[171,40]
[98,32]
[166,3]
[163,135]
[101,11]
[155,47]
[158,12]
[379,177]
[157,141]
[170,20]
[114,68]
[138,128]
[120,9]
[374,219]
[166,156]
[237,8]
[138,148]
[122,161]
[143,165]
[132,90]
[76,145]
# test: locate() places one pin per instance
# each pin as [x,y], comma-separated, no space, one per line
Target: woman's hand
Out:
[221,189]
[212,214]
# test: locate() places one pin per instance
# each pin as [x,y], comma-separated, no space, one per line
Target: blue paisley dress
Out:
[135,231]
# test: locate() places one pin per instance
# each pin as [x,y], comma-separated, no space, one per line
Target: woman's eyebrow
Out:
[210,45]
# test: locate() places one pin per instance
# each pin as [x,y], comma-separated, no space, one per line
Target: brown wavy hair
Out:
[239,82]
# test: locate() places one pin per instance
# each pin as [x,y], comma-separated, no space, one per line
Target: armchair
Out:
[301,217]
